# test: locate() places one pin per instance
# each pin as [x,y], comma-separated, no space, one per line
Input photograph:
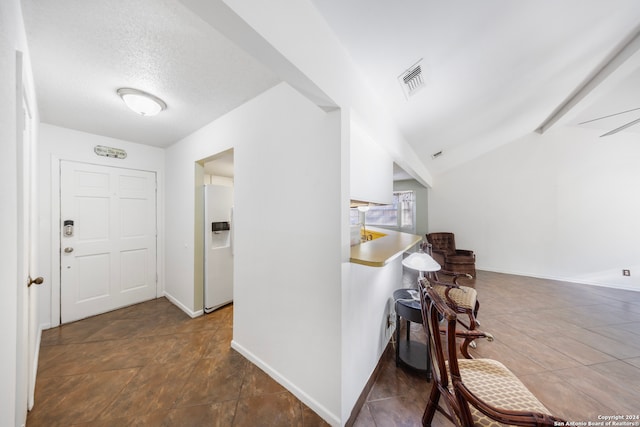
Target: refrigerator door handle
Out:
[232,231]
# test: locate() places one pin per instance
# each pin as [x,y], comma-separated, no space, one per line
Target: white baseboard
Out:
[560,279]
[176,302]
[34,368]
[319,409]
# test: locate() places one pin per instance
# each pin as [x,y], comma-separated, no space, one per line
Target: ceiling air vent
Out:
[412,80]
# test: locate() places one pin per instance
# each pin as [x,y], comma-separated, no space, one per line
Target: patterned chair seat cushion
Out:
[464,297]
[495,384]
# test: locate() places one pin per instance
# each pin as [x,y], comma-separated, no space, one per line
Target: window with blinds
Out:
[399,215]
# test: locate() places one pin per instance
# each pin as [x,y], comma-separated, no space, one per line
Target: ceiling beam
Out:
[619,64]
[221,17]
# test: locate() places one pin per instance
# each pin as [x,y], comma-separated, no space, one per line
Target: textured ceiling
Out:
[494,69]
[83,51]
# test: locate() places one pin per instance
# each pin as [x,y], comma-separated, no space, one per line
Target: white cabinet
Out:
[371,170]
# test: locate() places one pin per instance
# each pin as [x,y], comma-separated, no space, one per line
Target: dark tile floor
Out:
[151,365]
[576,347]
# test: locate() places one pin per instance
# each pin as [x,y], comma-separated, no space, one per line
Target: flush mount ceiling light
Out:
[141,102]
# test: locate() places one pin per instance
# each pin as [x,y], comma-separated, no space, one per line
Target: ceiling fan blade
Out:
[621,128]
[608,116]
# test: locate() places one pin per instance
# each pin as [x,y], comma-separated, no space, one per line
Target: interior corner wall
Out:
[198,238]
[562,205]
[58,143]
[287,237]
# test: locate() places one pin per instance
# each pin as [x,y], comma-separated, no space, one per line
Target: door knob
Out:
[68,250]
[36,281]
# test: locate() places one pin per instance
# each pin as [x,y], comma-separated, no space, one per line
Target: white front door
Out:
[108,255]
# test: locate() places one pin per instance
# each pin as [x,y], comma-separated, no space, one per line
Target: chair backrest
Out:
[444,242]
[433,310]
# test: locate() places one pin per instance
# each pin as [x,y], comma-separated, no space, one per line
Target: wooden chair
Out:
[462,299]
[476,392]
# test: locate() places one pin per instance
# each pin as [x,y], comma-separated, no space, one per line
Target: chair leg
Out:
[432,405]
[397,339]
[475,322]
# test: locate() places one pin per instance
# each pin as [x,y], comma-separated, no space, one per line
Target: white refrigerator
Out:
[218,250]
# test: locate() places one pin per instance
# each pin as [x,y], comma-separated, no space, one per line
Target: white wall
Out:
[218,180]
[57,143]
[367,301]
[561,205]
[287,218]
[371,175]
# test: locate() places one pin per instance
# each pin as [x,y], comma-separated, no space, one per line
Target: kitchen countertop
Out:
[377,252]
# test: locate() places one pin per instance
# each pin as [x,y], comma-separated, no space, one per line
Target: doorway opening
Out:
[213,232]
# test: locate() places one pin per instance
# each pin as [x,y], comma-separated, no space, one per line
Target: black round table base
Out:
[412,354]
